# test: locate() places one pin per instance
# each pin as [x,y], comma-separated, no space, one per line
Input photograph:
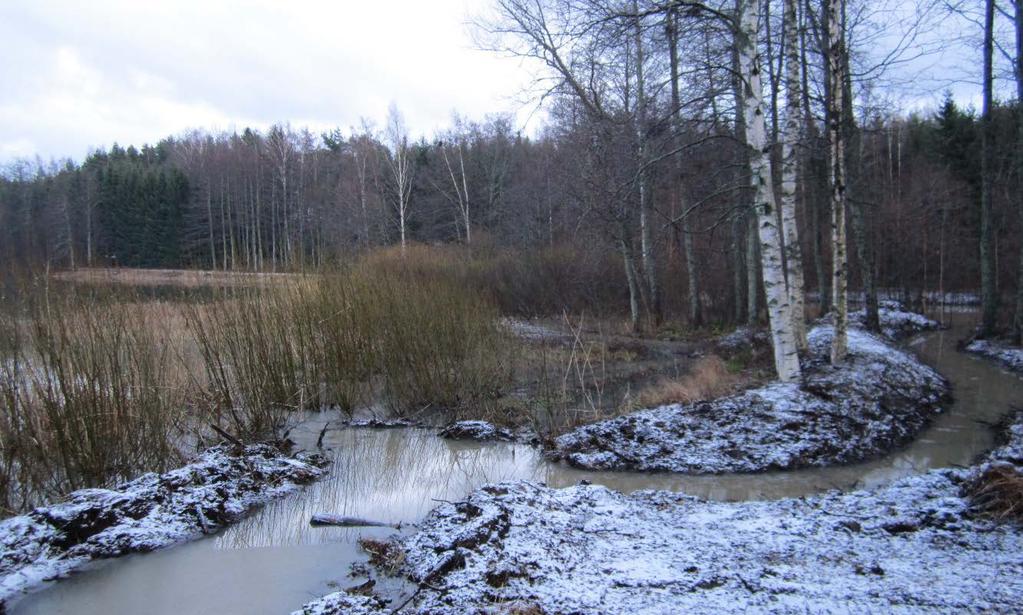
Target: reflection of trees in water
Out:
[393,475]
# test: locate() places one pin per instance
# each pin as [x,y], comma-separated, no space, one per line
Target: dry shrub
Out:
[708,379]
[997,492]
[386,555]
[375,333]
[89,395]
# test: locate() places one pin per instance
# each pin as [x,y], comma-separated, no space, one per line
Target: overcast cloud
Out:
[79,75]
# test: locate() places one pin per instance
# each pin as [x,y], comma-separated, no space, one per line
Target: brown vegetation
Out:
[997,492]
[709,378]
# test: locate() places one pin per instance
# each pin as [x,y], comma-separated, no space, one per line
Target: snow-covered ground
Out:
[897,323]
[911,546]
[532,330]
[1011,357]
[150,512]
[876,401]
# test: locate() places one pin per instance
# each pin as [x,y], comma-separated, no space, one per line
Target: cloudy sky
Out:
[82,74]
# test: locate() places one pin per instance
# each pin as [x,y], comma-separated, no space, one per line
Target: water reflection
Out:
[274,561]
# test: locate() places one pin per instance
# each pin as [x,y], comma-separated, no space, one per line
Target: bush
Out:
[378,332]
[89,395]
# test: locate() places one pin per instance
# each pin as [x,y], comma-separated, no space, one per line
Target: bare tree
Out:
[401,165]
[839,262]
[988,286]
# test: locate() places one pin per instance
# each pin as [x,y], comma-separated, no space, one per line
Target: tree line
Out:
[728,155]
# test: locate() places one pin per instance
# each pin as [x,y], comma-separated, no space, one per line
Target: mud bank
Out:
[878,400]
[914,545]
[148,513]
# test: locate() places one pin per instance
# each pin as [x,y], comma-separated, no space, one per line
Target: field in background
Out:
[101,378]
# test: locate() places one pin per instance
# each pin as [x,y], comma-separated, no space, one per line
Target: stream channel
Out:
[273,561]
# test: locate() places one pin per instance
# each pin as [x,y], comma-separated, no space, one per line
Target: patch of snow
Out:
[148,513]
[532,331]
[342,602]
[481,431]
[1011,357]
[880,398]
[743,337]
[896,322]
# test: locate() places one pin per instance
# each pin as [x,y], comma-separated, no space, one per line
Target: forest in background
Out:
[668,134]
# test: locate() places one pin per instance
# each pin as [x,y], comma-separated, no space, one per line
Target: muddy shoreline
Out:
[151,512]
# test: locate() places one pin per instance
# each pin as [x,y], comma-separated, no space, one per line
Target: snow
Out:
[480,431]
[532,331]
[148,513]
[908,547]
[931,297]
[896,322]
[879,399]
[1011,357]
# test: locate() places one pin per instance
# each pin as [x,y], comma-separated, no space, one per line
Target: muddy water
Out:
[274,561]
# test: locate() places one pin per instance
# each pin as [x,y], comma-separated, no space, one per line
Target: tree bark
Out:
[988,291]
[789,177]
[786,357]
[695,309]
[1018,320]
[839,264]
[646,241]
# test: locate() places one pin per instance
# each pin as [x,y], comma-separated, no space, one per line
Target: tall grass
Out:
[89,394]
[348,339]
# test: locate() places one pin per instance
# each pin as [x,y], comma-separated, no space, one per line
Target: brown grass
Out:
[384,554]
[185,278]
[998,493]
[709,378]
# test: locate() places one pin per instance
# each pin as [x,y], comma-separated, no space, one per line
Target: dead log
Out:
[341,521]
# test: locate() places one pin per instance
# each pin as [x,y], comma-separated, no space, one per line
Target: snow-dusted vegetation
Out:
[915,545]
[1010,357]
[880,398]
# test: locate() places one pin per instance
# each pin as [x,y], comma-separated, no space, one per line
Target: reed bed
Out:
[98,384]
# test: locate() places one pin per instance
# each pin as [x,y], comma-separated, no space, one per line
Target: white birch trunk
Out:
[840,266]
[786,357]
[790,165]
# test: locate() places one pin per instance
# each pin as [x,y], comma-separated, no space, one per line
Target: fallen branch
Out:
[342,521]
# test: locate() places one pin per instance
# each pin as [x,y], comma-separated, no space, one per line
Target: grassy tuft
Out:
[997,492]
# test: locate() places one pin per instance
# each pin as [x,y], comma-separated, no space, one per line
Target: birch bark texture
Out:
[786,356]
[791,145]
[839,250]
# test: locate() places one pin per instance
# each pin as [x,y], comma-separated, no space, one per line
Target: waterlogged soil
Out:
[274,561]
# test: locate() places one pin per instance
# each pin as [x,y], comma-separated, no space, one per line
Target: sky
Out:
[77,75]
[82,74]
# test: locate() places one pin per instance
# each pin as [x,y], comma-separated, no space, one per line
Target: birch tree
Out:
[791,144]
[839,256]
[786,357]
[401,166]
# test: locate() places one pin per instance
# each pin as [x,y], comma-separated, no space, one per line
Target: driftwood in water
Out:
[342,521]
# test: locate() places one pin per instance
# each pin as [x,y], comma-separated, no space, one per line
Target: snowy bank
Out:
[480,431]
[912,546]
[150,512]
[897,323]
[1010,357]
[879,399]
